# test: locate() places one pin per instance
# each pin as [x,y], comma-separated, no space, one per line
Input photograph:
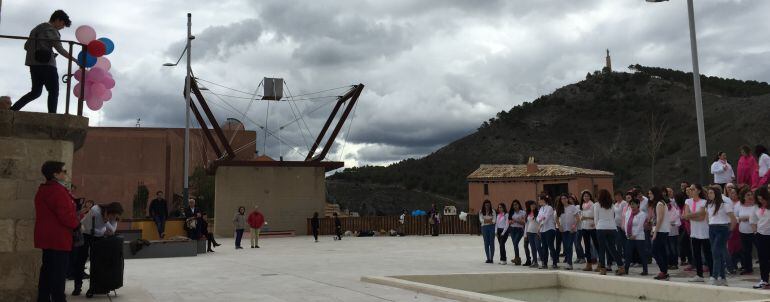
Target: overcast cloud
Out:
[433,70]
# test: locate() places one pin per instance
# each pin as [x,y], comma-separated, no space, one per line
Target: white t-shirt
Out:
[605,218]
[721,216]
[742,211]
[674,217]
[501,222]
[643,205]
[546,217]
[618,208]
[698,229]
[761,217]
[637,228]
[723,172]
[587,211]
[532,225]
[100,227]
[764,164]
[492,216]
[515,216]
[567,220]
[664,227]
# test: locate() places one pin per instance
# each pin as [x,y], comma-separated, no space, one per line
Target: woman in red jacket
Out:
[55,219]
[256,221]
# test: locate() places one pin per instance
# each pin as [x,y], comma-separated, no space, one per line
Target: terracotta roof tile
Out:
[544,171]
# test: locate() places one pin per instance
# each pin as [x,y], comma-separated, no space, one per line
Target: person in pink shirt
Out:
[747,167]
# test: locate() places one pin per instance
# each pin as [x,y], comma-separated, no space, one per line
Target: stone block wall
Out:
[26,141]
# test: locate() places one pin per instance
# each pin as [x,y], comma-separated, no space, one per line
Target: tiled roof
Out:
[543,171]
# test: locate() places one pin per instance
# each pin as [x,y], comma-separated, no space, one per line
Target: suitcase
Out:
[106,265]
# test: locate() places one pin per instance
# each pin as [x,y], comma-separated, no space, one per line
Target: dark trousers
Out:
[747,245]
[534,245]
[648,245]
[160,223]
[338,230]
[637,246]
[557,245]
[53,276]
[685,249]
[315,233]
[718,234]
[659,251]
[547,244]
[588,236]
[673,249]
[567,239]
[698,246]
[578,245]
[488,234]
[434,229]
[238,237]
[210,240]
[41,75]
[516,235]
[606,248]
[620,241]
[763,252]
[502,238]
[82,252]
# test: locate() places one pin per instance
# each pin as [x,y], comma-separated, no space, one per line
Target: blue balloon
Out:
[86,59]
[109,45]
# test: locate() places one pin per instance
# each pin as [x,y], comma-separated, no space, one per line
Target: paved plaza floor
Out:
[297,269]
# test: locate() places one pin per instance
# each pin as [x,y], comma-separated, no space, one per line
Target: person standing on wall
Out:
[722,170]
[42,61]
[239,222]
[256,221]
[159,213]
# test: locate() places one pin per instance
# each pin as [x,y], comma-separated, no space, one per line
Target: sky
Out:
[433,70]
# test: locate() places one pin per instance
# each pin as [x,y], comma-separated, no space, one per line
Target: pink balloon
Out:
[107,95]
[96,74]
[97,91]
[85,34]
[76,90]
[108,82]
[103,63]
[78,75]
[94,105]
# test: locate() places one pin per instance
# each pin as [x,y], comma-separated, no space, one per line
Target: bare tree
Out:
[656,137]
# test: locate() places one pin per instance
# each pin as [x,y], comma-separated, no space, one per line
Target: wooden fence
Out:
[412,226]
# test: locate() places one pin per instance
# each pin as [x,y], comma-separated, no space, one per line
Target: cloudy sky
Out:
[433,70]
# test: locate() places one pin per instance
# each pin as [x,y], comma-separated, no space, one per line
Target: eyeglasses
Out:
[63,171]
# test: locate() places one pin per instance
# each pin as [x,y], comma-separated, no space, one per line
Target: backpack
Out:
[191,223]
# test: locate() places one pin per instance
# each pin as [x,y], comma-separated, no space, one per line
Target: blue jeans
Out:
[578,247]
[588,237]
[547,244]
[516,235]
[567,239]
[606,248]
[238,236]
[534,246]
[718,237]
[160,223]
[659,251]
[502,237]
[673,249]
[639,247]
[620,241]
[488,233]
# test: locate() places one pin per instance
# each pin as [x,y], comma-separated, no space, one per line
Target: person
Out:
[606,230]
[734,238]
[203,229]
[579,252]
[239,222]
[5,102]
[42,61]
[80,253]
[588,227]
[159,213]
[487,218]
[567,214]
[434,219]
[722,170]
[402,224]
[721,220]
[337,226]
[315,223]
[619,207]
[683,187]
[660,232]
[633,225]
[695,212]
[747,165]
[501,230]
[675,220]
[101,221]
[55,220]
[191,210]
[546,218]
[533,231]
[743,212]
[256,221]
[516,219]
[760,224]
[763,166]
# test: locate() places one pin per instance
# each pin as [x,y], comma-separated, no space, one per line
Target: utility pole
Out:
[698,97]
[188,103]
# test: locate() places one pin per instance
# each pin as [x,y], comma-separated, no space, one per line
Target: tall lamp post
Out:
[697,88]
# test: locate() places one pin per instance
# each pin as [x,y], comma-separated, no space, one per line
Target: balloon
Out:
[85,34]
[97,91]
[94,105]
[78,75]
[107,96]
[108,82]
[76,90]
[110,46]
[103,63]
[96,75]
[86,59]
[96,48]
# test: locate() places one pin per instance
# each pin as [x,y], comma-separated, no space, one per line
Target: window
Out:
[486,189]
[555,190]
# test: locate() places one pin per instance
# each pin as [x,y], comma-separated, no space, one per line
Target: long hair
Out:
[528,205]
[762,195]
[605,199]
[484,208]
[505,210]
[512,211]
[657,195]
[717,201]
[680,199]
[701,192]
[560,206]
[583,195]
[759,150]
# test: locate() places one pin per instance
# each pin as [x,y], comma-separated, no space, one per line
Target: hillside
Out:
[603,122]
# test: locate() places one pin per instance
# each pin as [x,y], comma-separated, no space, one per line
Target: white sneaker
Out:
[760,285]
[696,279]
[722,282]
[503,262]
[713,281]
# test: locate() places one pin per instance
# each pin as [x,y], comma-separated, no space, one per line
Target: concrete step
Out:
[165,249]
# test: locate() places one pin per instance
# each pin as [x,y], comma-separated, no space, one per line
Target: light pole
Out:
[697,89]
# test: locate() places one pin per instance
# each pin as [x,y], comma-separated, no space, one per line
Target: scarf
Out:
[630,223]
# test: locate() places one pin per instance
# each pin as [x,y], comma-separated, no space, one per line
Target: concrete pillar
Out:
[27,140]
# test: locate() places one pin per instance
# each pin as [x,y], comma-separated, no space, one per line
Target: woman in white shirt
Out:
[660,232]
[546,217]
[517,217]
[488,217]
[633,225]
[764,165]
[588,227]
[743,212]
[722,170]
[606,230]
[501,225]
[695,211]
[760,223]
[675,219]
[533,231]
[567,224]
[721,221]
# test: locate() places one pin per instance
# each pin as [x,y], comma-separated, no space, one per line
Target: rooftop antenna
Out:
[138,123]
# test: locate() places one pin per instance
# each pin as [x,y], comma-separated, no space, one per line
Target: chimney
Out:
[531,165]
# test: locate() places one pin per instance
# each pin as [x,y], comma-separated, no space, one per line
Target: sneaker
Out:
[503,262]
[713,281]
[696,279]
[569,267]
[534,265]
[722,282]
[761,284]
[554,266]
[489,261]
[543,266]
[662,276]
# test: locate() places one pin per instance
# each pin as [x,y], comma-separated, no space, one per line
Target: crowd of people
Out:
[706,229]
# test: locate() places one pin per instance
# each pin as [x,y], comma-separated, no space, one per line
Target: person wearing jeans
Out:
[743,213]
[501,226]
[546,218]
[634,227]
[567,214]
[589,228]
[760,224]
[487,218]
[695,212]
[239,222]
[660,233]
[533,231]
[606,229]
[159,213]
[516,220]
[720,215]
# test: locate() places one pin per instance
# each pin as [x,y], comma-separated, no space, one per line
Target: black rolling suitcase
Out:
[106,266]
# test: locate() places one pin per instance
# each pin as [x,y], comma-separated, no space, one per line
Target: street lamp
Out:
[697,89]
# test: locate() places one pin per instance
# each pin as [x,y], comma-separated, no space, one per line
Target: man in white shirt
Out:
[101,220]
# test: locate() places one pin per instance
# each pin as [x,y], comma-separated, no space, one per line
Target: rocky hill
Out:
[608,121]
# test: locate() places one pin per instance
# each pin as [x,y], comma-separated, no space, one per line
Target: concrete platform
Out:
[164,249]
[297,269]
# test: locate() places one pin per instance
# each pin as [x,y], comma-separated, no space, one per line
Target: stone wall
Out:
[26,141]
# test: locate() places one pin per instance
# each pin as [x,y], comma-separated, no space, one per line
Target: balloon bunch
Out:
[99,82]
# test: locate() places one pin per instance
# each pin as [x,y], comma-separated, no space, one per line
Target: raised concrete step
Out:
[164,249]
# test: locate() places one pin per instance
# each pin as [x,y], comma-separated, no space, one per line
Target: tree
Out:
[202,187]
[656,136]
[140,201]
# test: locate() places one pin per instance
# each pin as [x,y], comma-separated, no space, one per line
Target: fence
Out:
[412,226]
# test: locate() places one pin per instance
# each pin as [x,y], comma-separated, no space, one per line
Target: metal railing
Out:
[66,78]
